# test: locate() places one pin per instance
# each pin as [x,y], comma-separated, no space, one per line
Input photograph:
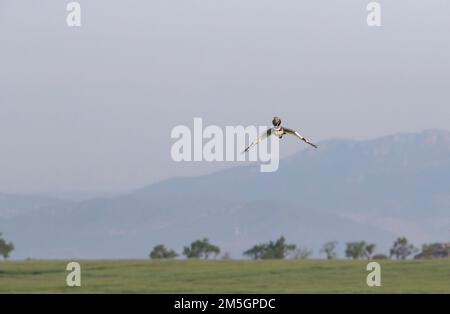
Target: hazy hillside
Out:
[19,205]
[346,190]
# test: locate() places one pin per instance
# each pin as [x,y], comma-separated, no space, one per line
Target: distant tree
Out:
[355,250]
[256,252]
[434,250]
[380,256]
[402,248]
[271,250]
[279,249]
[5,248]
[302,253]
[161,252]
[201,249]
[329,249]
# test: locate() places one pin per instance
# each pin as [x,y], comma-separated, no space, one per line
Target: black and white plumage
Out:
[278,131]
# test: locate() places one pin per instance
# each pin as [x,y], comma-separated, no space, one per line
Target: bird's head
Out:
[276,121]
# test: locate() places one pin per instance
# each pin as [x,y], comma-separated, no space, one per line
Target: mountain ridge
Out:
[347,190]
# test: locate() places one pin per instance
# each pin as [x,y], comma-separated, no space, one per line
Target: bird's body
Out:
[278,131]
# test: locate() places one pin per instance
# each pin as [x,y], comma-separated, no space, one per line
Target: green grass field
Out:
[228,276]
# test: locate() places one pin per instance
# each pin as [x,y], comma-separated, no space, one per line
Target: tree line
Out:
[197,249]
[280,249]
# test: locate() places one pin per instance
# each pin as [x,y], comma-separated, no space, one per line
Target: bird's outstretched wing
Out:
[295,133]
[259,139]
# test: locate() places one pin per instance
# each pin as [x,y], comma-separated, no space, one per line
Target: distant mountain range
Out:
[346,190]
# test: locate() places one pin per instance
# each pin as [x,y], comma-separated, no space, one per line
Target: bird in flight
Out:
[279,131]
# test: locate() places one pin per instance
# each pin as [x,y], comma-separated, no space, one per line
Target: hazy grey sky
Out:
[92,108]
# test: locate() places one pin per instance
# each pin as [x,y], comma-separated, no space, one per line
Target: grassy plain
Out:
[225,276]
